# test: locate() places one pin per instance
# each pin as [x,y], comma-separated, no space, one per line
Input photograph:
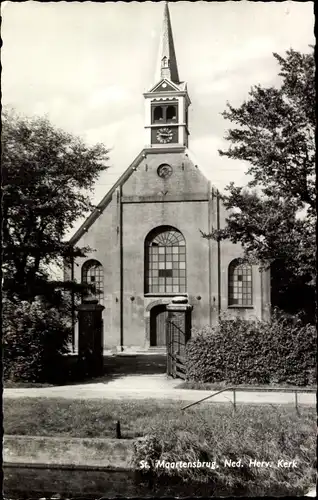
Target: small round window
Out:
[164,171]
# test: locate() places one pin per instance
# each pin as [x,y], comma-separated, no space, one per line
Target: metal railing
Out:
[235,389]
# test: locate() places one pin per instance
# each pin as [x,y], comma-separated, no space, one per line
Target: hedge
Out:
[240,351]
[35,340]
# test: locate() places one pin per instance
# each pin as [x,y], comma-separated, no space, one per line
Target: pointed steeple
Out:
[167,62]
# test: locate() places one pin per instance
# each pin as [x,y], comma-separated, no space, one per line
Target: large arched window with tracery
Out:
[165,261]
[92,274]
[240,283]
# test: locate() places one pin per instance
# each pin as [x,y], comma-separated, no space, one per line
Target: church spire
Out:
[167,62]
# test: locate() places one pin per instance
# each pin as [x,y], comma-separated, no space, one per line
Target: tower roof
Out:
[167,62]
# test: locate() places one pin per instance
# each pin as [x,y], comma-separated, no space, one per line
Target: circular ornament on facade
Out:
[164,135]
[164,171]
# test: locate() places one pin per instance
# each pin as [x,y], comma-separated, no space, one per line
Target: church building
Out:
[145,234]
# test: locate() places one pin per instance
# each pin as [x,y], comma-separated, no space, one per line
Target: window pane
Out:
[240,284]
[92,274]
[165,257]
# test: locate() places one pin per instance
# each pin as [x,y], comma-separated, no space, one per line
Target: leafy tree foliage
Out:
[47,177]
[35,340]
[273,217]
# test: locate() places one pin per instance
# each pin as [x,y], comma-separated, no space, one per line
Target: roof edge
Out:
[98,210]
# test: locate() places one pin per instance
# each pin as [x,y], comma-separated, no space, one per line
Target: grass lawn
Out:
[206,433]
[97,418]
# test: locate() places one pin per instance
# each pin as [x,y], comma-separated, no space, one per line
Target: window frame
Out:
[244,293]
[168,260]
[86,267]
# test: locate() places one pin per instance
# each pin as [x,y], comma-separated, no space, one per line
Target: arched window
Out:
[158,114]
[240,284]
[92,274]
[171,113]
[165,261]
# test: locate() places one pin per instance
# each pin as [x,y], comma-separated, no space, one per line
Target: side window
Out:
[240,284]
[92,274]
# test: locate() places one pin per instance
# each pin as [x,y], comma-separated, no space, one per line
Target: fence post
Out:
[296,401]
[90,337]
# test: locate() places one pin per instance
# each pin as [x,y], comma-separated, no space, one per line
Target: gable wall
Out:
[185,180]
[134,210]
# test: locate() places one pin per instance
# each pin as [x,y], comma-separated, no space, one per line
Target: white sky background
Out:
[86,65]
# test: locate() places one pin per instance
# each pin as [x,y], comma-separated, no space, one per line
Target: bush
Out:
[239,351]
[35,338]
[250,433]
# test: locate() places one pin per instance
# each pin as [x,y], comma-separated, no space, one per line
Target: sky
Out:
[86,65]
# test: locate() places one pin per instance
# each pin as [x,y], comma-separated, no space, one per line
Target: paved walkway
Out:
[156,387]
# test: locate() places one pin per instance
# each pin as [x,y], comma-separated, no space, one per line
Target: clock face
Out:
[164,171]
[164,135]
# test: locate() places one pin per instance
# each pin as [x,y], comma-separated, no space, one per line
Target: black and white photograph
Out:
[158,249]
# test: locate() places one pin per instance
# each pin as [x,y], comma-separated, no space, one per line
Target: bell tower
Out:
[167,102]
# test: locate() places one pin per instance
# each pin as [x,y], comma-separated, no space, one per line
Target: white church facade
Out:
[145,234]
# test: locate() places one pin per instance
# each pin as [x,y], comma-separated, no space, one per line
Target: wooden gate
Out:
[178,327]
[158,317]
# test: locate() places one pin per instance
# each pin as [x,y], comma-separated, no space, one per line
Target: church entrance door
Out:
[158,316]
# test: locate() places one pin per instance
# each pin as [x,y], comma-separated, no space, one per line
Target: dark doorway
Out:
[158,316]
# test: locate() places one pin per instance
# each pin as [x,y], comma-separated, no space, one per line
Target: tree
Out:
[274,217]
[47,176]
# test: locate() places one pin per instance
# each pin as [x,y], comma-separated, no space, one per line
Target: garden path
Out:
[156,386]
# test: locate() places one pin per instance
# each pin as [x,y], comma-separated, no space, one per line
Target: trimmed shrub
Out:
[240,351]
[35,338]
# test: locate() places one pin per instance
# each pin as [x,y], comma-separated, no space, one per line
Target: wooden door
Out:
[158,326]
